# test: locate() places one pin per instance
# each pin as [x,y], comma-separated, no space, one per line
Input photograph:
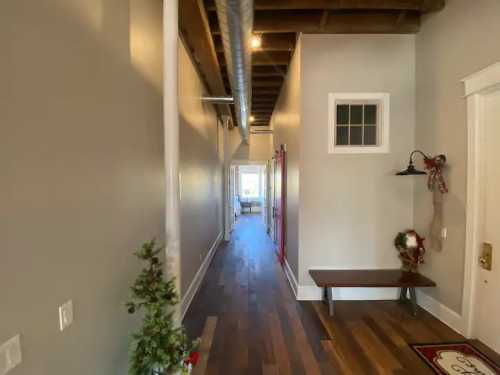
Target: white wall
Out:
[458,41]
[201,168]
[352,206]
[287,127]
[81,175]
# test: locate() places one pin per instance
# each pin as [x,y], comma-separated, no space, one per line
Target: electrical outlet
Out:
[65,315]
[10,355]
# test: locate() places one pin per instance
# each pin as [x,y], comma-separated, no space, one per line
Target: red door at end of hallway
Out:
[279,205]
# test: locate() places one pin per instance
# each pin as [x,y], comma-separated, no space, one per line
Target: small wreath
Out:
[411,249]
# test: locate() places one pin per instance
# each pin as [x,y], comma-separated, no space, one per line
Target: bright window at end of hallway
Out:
[358,123]
[250,185]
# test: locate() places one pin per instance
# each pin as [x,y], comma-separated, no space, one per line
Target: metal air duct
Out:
[236,24]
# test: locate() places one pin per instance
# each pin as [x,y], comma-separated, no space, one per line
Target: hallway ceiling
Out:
[278,22]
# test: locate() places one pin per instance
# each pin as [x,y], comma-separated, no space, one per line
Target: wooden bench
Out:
[406,281]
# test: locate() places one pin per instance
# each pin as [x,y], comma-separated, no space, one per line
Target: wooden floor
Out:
[250,323]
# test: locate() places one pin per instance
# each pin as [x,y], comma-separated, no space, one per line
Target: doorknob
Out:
[485,260]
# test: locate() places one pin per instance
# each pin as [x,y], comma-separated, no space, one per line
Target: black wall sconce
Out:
[412,171]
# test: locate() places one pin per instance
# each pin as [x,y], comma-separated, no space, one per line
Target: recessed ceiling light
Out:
[256,41]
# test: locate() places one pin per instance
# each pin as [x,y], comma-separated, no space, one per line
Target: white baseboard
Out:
[441,312]
[314,293]
[198,278]
[291,278]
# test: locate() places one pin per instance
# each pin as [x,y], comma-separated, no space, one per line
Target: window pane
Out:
[342,137]
[356,135]
[342,114]
[370,135]
[356,115]
[250,185]
[370,114]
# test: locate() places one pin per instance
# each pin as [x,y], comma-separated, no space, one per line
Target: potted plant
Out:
[160,347]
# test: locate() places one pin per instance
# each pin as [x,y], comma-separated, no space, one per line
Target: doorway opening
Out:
[249,191]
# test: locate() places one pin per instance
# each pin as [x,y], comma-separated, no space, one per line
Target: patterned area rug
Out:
[455,359]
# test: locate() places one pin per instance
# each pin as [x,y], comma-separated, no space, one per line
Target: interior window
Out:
[356,124]
[250,187]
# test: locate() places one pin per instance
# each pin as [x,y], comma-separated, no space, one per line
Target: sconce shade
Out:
[410,171]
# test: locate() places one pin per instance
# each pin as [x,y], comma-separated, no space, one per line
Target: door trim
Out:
[477,86]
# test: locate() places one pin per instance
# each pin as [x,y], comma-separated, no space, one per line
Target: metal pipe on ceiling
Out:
[218,99]
[236,24]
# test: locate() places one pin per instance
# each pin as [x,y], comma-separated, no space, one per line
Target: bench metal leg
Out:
[413,299]
[329,296]
[403,298]
[403,295]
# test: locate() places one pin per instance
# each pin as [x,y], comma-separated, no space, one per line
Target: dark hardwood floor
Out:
[250,322]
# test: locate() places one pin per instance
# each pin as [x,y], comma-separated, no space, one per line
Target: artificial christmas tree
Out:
[160,346]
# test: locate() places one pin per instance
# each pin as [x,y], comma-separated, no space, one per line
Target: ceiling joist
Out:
[423,6]
[195,32]
[278,22]
[270,42]
[337,22]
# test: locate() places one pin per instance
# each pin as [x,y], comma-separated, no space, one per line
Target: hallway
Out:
[250,323]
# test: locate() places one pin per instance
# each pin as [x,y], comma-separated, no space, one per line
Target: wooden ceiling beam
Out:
[338,22]
[265,58]
[417,5]
[262,108]
[266,91]
[269,71]
[261,111]
[264,99]
[259,83]
[270,42]
[195,32]
[271,58]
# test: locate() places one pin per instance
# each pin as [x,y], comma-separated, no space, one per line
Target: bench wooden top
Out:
[369,278]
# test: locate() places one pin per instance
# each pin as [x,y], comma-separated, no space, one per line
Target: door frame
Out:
[281,244]
[477,87]
[238,162]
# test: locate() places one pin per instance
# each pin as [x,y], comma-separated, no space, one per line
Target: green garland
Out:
[160,346]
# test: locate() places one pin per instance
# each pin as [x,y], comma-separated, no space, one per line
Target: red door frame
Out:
[280,201]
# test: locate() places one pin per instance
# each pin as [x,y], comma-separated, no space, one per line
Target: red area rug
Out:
[455,359]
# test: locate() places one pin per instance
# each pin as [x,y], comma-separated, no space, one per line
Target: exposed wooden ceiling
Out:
[278,22]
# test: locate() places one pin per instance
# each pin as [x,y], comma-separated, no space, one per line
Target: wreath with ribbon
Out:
[410,246]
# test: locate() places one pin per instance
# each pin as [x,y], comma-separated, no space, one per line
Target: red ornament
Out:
[193,359]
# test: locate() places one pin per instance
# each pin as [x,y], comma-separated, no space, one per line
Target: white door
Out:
[487,326]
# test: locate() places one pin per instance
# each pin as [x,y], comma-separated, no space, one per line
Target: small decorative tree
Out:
[160,346]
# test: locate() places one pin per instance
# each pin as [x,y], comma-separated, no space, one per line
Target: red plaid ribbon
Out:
[436,179]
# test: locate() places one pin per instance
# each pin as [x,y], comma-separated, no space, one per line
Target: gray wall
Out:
[259,148]
[352,206]
[286,123]
[458,41]
[200,170]
[81,174]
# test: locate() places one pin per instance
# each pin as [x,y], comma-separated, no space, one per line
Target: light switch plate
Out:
[10,354]
[65,315]
[444,233]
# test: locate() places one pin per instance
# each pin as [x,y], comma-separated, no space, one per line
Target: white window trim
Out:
[385,101]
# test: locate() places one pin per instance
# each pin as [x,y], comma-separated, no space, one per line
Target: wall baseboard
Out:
[443,313]
[313,293]
[200,275]
[291,279]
